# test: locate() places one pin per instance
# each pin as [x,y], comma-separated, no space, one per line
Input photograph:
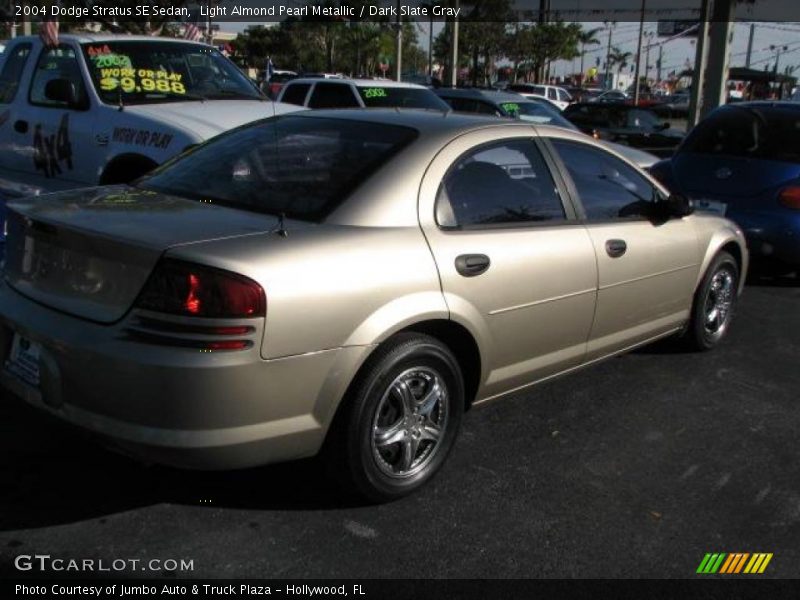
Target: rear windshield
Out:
[303,167]
[748,133]
[536,113]
[388,97]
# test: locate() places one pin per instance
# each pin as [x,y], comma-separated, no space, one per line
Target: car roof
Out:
[491,95]
[430,123]
[89,38]
[386,83]
[768,104]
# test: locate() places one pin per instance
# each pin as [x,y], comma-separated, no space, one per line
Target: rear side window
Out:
[303,167]
[12,72]
[57,63]
[748,133]
[296,93]
[499,184]
[608,188]
[563,95]
[333,95]
[551,94]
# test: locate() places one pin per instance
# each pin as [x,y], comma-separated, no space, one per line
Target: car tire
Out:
[400,419]
[714,302]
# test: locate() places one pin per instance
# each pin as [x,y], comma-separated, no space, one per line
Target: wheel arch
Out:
[139,162]
[731,241]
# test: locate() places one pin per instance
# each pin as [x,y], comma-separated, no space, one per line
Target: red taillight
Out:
[180,288]
[790,197]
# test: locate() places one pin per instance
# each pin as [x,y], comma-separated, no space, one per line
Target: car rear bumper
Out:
[770,235]
[174,405]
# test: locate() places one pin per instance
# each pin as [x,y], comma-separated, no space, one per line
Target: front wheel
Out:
[401,419]
[713,303]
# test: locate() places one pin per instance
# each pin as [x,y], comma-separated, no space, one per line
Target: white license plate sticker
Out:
[710,206]
[23,360]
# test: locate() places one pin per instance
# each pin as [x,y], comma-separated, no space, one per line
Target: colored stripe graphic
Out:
[733,563]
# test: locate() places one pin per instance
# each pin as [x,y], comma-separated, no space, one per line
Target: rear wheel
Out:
[713,303]
[401,419]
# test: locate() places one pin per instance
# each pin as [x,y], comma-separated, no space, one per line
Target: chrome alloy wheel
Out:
[410,422]
[718,302]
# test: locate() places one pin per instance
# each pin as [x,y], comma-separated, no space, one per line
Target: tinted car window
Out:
[303,167]
[12,72]
[503,183]
[536,112]
[748,133]
[642,119]
[57,63]
[295,93]
[333,95]
[608,188]
[377,96]
[596,116]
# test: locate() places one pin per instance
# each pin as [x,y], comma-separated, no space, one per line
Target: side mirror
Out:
[678,205]
[61,90]
[663,126]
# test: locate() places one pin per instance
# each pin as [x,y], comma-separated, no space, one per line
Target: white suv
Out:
[557,95]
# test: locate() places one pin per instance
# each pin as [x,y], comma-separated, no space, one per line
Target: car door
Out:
[14,159]
[647,266]
[515,266]
[58,136]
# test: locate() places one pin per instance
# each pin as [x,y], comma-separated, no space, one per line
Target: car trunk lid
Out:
[89,252]
[730,177]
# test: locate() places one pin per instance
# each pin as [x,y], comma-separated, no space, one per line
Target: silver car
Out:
[348,282]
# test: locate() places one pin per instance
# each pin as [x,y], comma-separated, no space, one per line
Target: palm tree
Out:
[585,38]
[619,58]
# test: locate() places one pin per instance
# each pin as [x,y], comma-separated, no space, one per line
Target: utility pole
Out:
[544,8]
[696,97]
[658,65]
[716,88]
[638,58]
[610,26]
[454,51]
[399,45]
[750,45]
[778,54]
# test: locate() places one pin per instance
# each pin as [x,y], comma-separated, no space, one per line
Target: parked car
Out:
[355,93]
[626,124]
[743,162]
[273,87]
[348,282]
[557,95]
[610,96]
[534,110]
[102,109]
[675,105]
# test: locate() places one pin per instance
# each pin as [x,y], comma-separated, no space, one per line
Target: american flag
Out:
[48,32]
[192,32]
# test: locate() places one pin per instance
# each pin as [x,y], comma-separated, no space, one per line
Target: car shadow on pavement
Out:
[53,474]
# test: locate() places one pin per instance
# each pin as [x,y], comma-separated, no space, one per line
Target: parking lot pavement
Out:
[634,467]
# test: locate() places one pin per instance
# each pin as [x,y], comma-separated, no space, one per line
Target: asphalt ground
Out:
[635,467]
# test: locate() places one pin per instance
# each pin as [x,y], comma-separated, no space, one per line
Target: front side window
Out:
[551,94]
[563,95]
[303,167]
[608,188]
[134,72]
[503,183]
[11,74]
[58,63]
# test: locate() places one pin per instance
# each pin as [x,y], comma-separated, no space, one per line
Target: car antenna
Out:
[119,97]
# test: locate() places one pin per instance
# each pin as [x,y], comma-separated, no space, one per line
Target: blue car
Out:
[743,162]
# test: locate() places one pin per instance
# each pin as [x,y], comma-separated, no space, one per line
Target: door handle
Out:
[616,248]
[21,126]
[470,265]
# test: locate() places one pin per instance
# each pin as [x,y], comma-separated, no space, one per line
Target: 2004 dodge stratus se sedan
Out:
[348,282]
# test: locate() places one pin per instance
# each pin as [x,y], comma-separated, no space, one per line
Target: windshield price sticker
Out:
[511,107]
[374,93]
[141,80]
